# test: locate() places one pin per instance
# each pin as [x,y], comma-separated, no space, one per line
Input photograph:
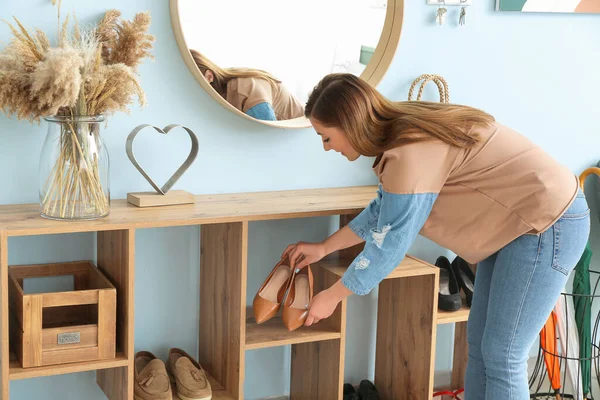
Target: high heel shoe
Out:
[267,300]
[465,277]
[449,291]
[300,294]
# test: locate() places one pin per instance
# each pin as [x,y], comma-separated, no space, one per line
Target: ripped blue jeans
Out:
[515,291]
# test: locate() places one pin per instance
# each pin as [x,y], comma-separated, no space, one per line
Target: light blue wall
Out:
[534,72]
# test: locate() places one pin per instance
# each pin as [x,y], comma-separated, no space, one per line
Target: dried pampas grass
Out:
[88,72]
[56,80]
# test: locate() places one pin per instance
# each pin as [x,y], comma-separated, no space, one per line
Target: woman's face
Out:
[335,139]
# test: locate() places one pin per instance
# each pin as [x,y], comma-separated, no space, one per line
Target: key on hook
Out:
[441,14]
[463,13]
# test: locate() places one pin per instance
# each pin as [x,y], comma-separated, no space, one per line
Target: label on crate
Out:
[69,338]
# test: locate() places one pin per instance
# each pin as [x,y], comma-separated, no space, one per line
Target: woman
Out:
[254,92]
[470,184]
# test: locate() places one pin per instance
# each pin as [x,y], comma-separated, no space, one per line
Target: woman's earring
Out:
[463,14]
[441,15]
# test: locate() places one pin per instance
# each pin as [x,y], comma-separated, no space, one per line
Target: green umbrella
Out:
[581,286]
[582,303]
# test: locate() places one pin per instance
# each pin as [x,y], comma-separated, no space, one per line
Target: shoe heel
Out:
[466,278]
[449,288]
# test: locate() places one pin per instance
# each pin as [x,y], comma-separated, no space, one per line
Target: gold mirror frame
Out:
[373,73]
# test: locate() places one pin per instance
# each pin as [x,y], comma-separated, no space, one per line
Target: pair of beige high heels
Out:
[285,280]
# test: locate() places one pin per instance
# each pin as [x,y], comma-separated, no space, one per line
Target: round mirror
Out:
[261,58]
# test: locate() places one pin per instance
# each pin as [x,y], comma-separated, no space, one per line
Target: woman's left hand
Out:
[321,307]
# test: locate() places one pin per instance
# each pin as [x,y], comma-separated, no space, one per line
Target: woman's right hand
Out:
[302,254]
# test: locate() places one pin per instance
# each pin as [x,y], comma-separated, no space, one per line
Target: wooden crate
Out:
[62,327]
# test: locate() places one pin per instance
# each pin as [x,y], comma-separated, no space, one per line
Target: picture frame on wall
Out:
[550,6]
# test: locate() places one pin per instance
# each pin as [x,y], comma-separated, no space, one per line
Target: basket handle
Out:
[440,82]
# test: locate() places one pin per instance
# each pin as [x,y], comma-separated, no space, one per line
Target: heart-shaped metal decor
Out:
[186,164]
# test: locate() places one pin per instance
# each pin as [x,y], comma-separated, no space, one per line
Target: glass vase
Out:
[74,169]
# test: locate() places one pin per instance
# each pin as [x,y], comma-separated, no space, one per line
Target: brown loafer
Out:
[189,377]
[151,381]
[267,300]
[300,294]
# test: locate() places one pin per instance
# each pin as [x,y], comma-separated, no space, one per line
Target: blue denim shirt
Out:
[389,226]
[263,111]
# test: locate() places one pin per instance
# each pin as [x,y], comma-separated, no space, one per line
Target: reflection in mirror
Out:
[265,56]
[252,91]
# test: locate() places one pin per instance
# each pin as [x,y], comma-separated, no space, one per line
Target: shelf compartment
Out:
[408,267]
[273,333]
[16,372]
[448,317]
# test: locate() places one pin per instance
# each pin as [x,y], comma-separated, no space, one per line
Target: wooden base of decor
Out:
[153,199]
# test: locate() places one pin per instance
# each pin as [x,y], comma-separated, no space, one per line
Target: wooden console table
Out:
[407,313]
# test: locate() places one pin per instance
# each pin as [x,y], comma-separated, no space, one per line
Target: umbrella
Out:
[549,344]
[581,303]
[581,286]
[569,342]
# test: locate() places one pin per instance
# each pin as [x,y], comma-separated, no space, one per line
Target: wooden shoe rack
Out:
[407,312]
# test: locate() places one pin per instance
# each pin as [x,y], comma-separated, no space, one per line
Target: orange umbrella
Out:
[549,345]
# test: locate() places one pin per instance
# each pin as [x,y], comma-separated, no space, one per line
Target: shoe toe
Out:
[451,302]
[264,309]
[294,318]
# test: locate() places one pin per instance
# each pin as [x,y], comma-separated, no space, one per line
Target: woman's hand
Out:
[325,302]
[302,253]
[321,307]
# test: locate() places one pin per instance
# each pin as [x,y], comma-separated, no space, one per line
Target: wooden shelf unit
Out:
[226,330]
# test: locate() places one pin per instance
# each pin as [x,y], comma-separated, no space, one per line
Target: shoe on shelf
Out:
[150,378]
[350,392]
[367,391]
[188,376]
[449,291]
[465,277]
[300,294]
[267,300]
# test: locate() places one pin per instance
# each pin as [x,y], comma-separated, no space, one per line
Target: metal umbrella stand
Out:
[570,362]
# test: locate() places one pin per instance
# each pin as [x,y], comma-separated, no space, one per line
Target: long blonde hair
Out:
[375,124]
[224,75]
